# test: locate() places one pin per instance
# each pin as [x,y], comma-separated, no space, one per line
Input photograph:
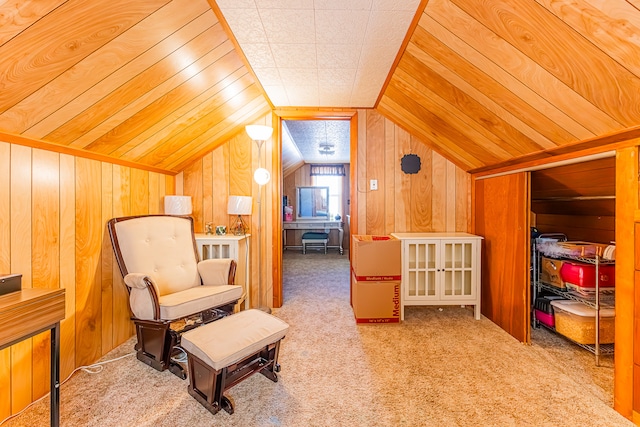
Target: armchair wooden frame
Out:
[158,337]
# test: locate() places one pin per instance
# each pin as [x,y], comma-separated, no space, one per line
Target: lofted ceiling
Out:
[489,82]
[154,82]
[320,53]
[159,83]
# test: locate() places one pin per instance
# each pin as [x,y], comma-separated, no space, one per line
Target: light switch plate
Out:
[373,184]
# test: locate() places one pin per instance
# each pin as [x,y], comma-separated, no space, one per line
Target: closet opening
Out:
[572,268]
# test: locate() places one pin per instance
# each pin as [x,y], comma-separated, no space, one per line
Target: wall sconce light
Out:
[177,205]
[239,205]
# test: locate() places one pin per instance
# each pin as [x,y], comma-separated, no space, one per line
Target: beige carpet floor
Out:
[438,368]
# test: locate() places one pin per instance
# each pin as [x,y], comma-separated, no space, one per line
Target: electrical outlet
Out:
[373,184]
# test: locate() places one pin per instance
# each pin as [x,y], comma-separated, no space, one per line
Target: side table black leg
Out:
[55,375]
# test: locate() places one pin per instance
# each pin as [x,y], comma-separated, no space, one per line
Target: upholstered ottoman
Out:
[313,238]
[225,352]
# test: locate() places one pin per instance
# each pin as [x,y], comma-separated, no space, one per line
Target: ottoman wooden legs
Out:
[208,385]
[225,352]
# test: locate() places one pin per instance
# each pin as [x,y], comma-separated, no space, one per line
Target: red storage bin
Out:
[584,275]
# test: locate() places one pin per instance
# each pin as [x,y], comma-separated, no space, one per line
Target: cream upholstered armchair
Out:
[170,290]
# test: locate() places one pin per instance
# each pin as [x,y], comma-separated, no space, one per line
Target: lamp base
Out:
[239,227]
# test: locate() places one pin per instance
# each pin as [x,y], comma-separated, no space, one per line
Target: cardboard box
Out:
[375,302]
[550,272]
[376,258]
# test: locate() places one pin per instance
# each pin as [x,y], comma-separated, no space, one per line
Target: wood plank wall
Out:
[228,171]
[437,198]
[577,200]
[53,211]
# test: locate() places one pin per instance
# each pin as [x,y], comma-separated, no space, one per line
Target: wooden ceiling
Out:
[490,82]
[159,83]
[153,82]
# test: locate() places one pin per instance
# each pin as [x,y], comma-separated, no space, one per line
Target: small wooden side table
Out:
[28,312]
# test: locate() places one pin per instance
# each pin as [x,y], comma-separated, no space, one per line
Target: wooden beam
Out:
[600,144]
[77,152]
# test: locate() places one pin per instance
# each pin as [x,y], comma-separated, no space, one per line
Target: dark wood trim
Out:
[601,144]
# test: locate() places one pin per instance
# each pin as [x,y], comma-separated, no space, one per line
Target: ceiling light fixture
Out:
[326,148]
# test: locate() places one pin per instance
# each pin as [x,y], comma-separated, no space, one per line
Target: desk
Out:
[28,312]
[314,224]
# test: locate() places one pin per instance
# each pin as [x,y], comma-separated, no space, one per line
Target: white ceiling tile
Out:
[288,26]
[284,4]
[278,95]
[299,76]
[338,55]
[408,5]
[336,77]
[366,79]
[268,76]
[236,4]
[387,27]
[334,26]
[320,52]
[372,59]
[294,55]
[342,4]
[245,25]
[259,55]
[302,95]
[335,99]
[365,98]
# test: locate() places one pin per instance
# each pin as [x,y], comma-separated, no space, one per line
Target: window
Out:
[335,193]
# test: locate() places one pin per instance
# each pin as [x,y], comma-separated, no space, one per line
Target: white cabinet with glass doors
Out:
[440,269]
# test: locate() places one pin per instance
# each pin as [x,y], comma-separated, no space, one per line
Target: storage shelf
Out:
[606,300]
[605,349]
[588,260]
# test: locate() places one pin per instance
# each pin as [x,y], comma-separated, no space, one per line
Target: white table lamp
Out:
[177,205]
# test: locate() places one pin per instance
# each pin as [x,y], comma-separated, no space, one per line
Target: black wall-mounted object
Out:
[410,163]
[10,283]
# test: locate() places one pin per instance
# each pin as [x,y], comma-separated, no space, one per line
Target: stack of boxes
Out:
[375,278]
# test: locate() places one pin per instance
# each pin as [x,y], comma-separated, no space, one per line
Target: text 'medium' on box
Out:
[376,302]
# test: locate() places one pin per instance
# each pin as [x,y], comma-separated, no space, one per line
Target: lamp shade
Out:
[259,132]
[177,205]
[239,205]
[261,176]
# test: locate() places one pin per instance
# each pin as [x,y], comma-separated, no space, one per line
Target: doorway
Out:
[293,173]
